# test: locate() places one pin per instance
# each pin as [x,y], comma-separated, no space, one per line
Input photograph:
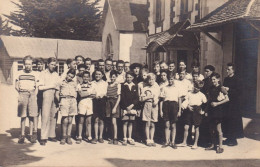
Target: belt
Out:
[112,97]
[67,97]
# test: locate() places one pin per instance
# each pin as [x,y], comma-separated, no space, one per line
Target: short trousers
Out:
[170,111]
[110,103]
[99,108]
[193,117]
[68,107]
[150,113]
[128,117]
[27,104]
[85,106]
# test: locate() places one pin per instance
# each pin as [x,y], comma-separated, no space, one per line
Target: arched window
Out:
[109,47]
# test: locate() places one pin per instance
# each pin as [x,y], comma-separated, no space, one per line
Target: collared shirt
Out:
[27,81]
[129,85]
[184,86]
[171,93]
[48,79]
[107,74]
[163,84]
[101,88]
[68,88]
[121,78]
[196,98]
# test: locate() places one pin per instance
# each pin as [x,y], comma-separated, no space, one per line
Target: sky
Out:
[6,6]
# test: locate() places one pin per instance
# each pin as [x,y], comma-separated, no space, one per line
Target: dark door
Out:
[247,39]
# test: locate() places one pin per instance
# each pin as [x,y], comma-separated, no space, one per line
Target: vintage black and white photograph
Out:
[130,83]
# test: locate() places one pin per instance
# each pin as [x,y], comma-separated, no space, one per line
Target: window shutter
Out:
[154,11]
[190,5]
[178,7]
[162,9]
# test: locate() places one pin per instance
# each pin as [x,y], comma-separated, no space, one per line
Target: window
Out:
[61,68]
[159,11]
[186,9]
[20,65]
[109,47]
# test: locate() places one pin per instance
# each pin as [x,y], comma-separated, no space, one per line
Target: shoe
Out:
[111,141]
[124,143]
[69,141]
[94,141]
[78,140]
[21,139]
[194,147]
[131,141]
[62,141]
[226,142]
[101,140]
[115,142]
[182,145]
[210,148]
[165,145]
[52,139]
[153,144]
[232,143]
[174,146]
[219,150]
[34,137]
[43,142]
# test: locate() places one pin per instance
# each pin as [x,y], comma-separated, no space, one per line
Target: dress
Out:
[233,125]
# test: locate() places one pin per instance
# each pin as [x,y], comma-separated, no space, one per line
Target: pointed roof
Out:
[230,11]
[128,15]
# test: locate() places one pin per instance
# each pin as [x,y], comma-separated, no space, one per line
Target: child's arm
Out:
[57,95]
[17,85]
[117,103]
[161,111]
[179,102]
[215,104]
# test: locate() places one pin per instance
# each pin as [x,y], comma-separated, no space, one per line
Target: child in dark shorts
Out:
[128,104]
[112,104]
[99,105]
[171,102]
[217,97]
[193,113]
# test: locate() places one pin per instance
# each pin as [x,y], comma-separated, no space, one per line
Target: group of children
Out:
[128,95]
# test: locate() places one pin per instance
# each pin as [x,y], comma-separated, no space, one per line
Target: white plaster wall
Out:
[125,42]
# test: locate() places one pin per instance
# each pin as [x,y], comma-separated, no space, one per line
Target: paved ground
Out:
[85,154]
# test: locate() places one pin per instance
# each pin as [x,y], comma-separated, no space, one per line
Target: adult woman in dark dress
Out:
[232,125]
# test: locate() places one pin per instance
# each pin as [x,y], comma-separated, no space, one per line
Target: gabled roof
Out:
[230,11]
[18,47]
[128,15]
[175,37]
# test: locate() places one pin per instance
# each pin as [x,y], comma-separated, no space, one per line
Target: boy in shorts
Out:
[66,94]
[85,107]
[171,106]
[26,85]
[193,114]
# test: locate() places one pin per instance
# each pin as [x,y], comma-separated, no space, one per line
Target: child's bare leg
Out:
[69,125]
[80,125]
[173,133]
[197,134]
[114,127]
[35,124]
[220,135]
[185,136]
[23,120]
[96,127]
[64,122]
[101,128]
[130,129]
[88,127]
[147,130]
[167,132]
[125,129]
[31,125]
[152,130]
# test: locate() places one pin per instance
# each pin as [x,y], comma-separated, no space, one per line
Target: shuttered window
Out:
[159,12]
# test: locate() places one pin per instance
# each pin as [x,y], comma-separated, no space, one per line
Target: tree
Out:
[4,27]
[64,19]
